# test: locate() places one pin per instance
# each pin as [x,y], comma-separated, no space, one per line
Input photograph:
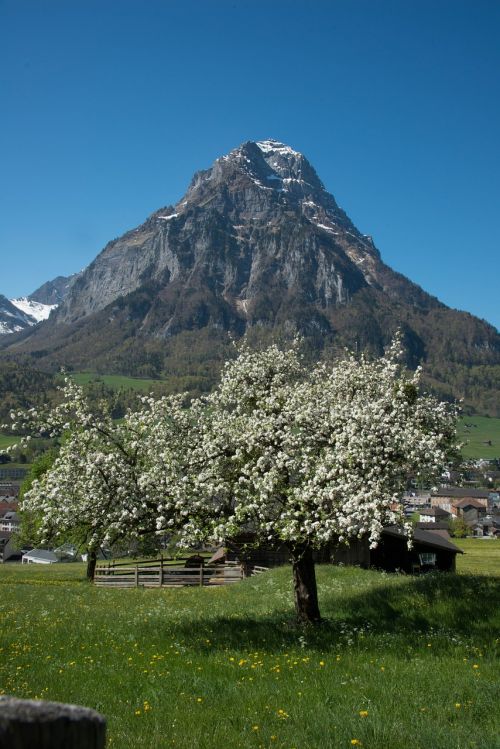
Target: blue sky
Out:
[109,106]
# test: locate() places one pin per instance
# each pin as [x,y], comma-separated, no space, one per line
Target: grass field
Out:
[6,440]
[116,381]
[482,556]
[476,432]
[400,661]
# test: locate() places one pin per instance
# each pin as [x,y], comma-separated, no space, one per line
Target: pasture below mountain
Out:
[480,436]
[400,661]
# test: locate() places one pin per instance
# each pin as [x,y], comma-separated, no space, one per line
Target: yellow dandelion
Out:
[356,742]
[363,713]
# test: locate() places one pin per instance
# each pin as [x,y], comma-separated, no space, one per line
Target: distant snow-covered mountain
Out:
[37,310]
[24,312]
[12,318]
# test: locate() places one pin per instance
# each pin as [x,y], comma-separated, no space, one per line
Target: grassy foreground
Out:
[400,662]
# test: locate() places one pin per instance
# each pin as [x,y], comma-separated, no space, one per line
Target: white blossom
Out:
[291,453]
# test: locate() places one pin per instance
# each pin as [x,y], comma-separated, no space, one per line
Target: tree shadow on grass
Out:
[453,605]
[460,604]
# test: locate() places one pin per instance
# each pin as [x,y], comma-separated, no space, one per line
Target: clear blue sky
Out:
[109,106]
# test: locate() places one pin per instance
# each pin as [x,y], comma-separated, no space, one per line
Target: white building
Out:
[39,556]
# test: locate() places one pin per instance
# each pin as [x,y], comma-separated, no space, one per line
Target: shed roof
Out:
[456,491]
[12,516]
[439,525]
[427,538]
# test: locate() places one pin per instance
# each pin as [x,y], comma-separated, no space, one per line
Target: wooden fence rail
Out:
[166,576]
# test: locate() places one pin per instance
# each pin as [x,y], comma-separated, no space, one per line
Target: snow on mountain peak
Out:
[274,146]
[37,310]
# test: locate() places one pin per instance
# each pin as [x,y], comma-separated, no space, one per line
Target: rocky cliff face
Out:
[256,245]
[55,291]
[254,236]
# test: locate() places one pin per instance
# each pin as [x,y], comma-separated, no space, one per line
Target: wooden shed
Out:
[430,551]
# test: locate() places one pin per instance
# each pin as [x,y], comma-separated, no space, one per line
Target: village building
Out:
[471,510]
[9,492]
[15,474]
[446,497]
[487,527]
[10,521]
[7,506]
[39,556]
[433,515]
[9,551]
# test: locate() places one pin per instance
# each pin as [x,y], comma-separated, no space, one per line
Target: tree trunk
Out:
[304,584]
[91,563]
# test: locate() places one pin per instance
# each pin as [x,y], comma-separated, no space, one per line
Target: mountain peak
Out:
[265,166]
[256,245]
[271,146]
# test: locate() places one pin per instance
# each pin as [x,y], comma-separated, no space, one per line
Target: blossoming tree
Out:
[310,457]
[102,486]
[290,454]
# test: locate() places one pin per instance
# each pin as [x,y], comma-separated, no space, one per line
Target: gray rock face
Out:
[253,231]
[55,291]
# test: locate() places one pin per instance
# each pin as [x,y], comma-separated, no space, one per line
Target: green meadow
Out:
[399,662]
[6,440]
[476,433]
[481,556]
[116,381]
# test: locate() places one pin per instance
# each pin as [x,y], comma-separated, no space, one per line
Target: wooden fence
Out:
[159,574]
